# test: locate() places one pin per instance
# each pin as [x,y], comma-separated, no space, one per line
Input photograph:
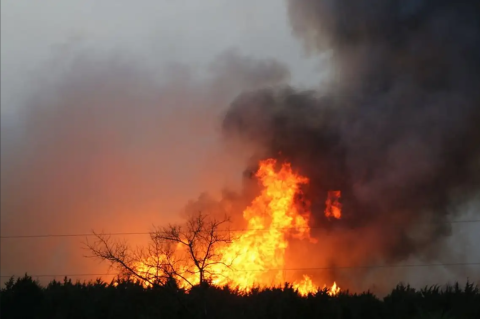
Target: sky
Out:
[110,112]
[35,33]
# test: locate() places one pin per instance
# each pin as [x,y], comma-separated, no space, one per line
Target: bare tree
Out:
[119,254]
[188,253]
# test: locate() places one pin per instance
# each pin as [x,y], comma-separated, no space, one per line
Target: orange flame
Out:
[306,286]
[334,290]
[272,216]
[256,258]
[333,206]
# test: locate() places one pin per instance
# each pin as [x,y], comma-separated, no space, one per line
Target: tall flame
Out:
[256,257]
[260,251]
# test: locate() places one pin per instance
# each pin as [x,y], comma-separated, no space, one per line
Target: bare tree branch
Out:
[116,253]
[185,253]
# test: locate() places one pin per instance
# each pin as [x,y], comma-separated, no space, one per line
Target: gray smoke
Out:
[397,130]
[106,143]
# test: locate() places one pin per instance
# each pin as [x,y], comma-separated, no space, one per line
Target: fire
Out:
[333,206]
[334,290]
[256,256]
[307,286]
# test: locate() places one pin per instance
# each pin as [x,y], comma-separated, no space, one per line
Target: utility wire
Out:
[288,269]
[225,230]
[73,235]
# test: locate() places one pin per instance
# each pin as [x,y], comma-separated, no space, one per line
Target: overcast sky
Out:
[157,32]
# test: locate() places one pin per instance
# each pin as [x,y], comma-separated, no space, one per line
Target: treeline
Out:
[24,298]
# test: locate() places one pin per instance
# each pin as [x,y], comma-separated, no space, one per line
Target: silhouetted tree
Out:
[186,253]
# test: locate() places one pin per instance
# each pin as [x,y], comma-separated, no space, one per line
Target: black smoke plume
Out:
[397,130]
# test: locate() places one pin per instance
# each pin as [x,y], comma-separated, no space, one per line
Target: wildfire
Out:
[256,256]
[307,286]
[334,290]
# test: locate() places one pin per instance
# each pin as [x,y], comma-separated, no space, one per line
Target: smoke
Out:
[396,129]
[109,143]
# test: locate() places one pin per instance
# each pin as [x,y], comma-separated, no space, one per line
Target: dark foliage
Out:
[25,298]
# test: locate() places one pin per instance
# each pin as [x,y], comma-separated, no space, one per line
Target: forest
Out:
[25,298]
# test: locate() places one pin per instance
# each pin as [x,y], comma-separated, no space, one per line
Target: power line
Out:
[286,269]
[225,230]
[61,275]
[74,235]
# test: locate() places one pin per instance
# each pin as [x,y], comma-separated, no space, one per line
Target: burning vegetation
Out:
[204,250]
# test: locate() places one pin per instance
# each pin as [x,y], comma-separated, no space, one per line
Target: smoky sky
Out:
[105,143]
[397,127]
